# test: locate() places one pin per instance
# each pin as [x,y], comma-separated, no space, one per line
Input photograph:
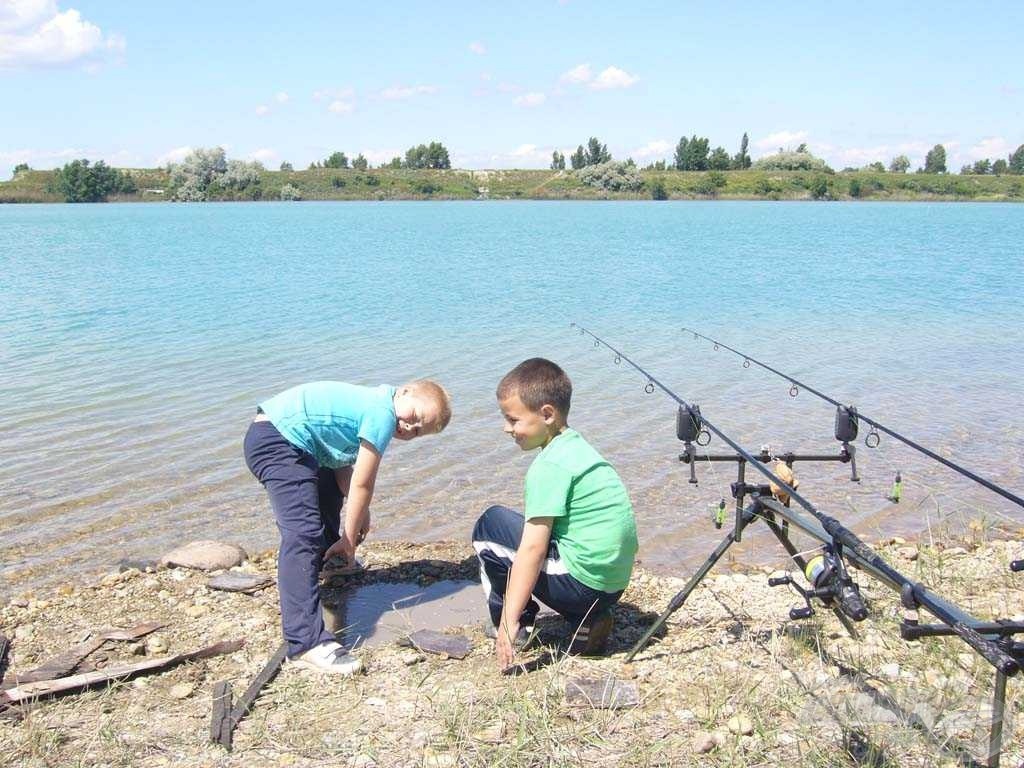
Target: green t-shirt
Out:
[593,519]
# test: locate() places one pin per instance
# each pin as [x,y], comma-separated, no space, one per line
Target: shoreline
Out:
[380,185]
[732,678]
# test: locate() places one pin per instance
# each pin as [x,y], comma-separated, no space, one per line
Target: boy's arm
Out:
[533,549]
[357,510]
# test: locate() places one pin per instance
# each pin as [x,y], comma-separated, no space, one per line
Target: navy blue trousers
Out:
[496,538]
[307,505]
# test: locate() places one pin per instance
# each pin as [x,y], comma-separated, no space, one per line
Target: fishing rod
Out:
[872,439]
[830,582]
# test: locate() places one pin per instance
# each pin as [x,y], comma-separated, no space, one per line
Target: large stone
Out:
[205,556]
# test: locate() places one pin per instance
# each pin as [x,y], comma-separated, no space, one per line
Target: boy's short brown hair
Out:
[434,392]
[537,382]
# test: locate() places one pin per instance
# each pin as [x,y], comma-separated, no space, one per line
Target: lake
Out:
[135,341]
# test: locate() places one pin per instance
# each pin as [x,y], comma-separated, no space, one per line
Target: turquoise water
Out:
[136,339]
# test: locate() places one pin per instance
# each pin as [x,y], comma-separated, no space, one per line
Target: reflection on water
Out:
[376,614]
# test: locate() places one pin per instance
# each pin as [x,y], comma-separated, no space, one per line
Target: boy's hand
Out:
[343,547]
[504,647]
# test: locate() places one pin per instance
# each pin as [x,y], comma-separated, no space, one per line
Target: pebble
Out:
[156,645]
[955,551]
[892,671]
[438,760]
[741,724]
[898,540]
[195,611]
[412,657]
[706,741]
[66,590]
[685,715]
[494,733]
[908,553]
[181,691]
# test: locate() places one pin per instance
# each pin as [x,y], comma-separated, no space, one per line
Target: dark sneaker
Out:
[523,636]
[591,640]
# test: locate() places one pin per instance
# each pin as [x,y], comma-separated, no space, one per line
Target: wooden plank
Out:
[65,663]
[89,679]
[5,650]
[221,725]
[268,673]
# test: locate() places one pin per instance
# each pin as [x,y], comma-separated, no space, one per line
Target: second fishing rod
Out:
[839,540]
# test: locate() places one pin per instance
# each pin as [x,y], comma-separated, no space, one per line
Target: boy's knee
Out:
[494,517]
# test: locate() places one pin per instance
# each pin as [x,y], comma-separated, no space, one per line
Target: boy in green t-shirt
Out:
[575,548]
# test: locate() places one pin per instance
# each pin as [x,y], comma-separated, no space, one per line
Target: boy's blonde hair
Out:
[430,390]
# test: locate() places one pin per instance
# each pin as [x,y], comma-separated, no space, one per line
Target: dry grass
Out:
[812,696]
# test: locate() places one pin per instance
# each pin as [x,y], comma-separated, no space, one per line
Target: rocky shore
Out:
[731,682]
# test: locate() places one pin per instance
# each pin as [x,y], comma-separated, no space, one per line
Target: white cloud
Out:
[399,92]
[658,148]
[530,100]
[509,88]
[339,107]
[478,48]
[282,97]
[333,93]
[781,139]
[524,150]
[579,74]
[54,158]
[613,77]
[262,155]
[991,148]
[262,110]
[37,33]
[175,155]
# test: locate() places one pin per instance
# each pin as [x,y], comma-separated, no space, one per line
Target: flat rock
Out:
[240,582]
[607,693]
[431,641]
[205,556]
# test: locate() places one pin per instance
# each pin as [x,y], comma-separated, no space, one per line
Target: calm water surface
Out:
[135,341]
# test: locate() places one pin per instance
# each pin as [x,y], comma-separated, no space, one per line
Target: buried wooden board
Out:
[607,693]
[432,641]
[89,679]
[65,663]
[239,582]
[227,717]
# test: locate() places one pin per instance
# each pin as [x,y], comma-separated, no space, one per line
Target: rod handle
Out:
[1017,565]
[989,650]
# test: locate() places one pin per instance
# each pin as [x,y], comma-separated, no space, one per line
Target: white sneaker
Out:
[329,657]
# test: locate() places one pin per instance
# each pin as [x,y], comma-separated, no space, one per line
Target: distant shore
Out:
[154,185]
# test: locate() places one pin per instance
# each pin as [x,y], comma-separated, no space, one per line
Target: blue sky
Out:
[502,85]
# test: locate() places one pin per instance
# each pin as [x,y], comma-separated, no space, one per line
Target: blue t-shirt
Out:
[327,419]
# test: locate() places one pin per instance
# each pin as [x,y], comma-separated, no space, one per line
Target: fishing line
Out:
[872,439]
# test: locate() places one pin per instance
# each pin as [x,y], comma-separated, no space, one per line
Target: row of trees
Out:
[1013,165]
[335,160]
[82,182]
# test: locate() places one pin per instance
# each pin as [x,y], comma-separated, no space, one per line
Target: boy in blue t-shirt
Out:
[312,447]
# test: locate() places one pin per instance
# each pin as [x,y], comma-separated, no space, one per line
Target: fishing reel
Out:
[846,432]
[830,583]
[690,429]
